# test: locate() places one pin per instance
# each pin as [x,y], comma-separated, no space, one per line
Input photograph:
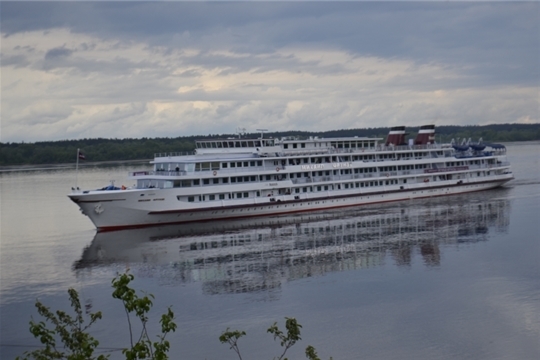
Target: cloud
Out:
[166,69]
[56,53]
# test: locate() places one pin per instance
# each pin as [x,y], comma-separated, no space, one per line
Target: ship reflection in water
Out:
[261,254]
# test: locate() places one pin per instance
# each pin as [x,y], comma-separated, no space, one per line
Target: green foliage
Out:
[143,348]
[77,343]
[287,340]
[293,334]
[311,354]
[231,337]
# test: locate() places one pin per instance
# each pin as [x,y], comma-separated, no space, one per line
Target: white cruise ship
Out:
[239,178]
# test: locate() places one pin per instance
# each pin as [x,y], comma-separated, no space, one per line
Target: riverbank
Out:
[37,167]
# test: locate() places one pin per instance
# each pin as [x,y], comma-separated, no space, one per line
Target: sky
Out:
[74,70]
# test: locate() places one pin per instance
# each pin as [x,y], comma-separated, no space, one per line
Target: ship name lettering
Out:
[341,165]
[313,167]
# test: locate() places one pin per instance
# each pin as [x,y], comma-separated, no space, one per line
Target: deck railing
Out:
[254,171]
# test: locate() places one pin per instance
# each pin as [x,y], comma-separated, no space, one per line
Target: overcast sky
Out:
[72,70]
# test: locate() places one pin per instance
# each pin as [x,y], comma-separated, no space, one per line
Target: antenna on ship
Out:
[240,131]
[262,131]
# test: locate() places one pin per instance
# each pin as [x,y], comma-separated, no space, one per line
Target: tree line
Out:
[101,149]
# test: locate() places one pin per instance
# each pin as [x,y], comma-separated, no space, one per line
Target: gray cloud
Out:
[59,52]
[288,65]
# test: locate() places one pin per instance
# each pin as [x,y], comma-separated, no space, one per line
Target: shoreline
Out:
[36,167]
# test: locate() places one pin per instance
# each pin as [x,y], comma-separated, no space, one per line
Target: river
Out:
[444,278]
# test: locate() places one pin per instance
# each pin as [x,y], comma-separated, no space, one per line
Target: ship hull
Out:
[115,210]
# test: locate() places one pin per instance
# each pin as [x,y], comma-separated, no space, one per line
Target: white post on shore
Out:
[77,170]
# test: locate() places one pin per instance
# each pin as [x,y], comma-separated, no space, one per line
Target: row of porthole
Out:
[315,203]
[301,204]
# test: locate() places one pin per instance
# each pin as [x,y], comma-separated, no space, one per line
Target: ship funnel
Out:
[426,135]
[396,136]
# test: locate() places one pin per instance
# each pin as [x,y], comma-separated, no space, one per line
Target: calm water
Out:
[445,278]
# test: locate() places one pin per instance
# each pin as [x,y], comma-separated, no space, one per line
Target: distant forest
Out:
[100,149]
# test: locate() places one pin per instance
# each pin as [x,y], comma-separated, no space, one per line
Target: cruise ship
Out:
[248,177]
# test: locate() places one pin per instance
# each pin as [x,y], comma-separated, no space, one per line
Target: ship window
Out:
[233,179]
[253,178]
[211,197]
[196,182]
[215,165]
[215,181]
[246,194]
[246,163]
[258,193]
[251,144]
[252,163]
[239,164]
[259,163]
[191,198]
[225,180]
[221,196]
[206,181]
[285,146]
[303,145]
[224,165]
[294,146]
[244,143]
[225,145]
